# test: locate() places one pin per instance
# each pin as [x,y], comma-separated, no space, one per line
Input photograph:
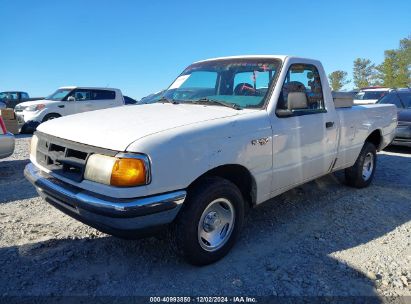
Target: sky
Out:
[140,47]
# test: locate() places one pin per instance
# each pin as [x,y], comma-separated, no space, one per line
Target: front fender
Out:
[180,156]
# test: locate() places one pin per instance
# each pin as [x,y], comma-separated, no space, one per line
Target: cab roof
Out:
[87,88]
[281,57]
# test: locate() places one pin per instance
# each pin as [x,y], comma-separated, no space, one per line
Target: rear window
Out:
[103,95]
[391,99]
[369,95]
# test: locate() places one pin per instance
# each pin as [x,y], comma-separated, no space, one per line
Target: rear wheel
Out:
[361,174]
[210,221]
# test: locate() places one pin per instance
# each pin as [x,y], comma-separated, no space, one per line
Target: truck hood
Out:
[117,128]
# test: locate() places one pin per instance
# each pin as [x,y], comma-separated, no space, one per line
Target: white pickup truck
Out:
[66,101]
[228,134]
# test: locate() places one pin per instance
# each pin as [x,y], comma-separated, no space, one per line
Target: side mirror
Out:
[71,98]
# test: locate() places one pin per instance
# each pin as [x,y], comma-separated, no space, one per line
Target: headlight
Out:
[33,146]
[124,170]
[37,107]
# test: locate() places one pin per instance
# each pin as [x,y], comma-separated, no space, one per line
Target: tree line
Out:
[393,72]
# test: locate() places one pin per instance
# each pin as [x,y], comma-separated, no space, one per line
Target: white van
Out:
[67,101]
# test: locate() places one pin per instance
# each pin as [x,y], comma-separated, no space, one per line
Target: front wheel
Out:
[361,174]
[209,222]
[50,117]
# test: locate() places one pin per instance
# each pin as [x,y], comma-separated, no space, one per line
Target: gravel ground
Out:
[319,239]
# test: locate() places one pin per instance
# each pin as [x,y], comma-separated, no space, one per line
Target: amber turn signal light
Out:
[128,172]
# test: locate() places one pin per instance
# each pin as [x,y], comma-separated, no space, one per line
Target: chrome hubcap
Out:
[368,166]
[216,224]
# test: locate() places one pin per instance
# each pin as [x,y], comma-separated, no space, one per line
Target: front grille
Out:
[65,158]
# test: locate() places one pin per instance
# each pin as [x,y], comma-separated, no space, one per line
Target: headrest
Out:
[294,86]
[297,100]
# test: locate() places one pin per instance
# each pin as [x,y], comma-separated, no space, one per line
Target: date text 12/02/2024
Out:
[203,299]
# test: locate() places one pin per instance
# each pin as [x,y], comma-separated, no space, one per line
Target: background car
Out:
[401,98]
[152,98]
[129,100]
[370,96]
[12,98]
[66,101]
[6,141]
[2,105]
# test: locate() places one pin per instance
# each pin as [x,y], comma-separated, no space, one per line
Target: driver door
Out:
[304,138]
[81,103]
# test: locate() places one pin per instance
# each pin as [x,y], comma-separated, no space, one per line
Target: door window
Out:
[103,95]
[80,94]
[303,86]
[13,96]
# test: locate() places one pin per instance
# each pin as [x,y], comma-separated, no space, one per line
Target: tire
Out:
[213,210]
[29,127]
[50,117]
[361,174]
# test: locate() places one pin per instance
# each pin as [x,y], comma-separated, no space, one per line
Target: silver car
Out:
[6,141]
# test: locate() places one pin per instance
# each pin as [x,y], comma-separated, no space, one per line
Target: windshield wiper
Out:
[205,100]
[165,99]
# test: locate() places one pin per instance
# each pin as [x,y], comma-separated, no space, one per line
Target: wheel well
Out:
[51,114]
[238,175]
[375,138]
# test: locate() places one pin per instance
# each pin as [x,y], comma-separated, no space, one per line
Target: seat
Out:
[79,96]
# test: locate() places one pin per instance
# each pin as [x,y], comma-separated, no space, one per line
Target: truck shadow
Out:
[13,185]
[290,246]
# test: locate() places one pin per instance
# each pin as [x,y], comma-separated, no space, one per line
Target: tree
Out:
[338,79]
[363,73]
[394,71]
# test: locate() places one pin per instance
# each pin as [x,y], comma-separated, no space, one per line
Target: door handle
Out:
[329,124]
[61,106]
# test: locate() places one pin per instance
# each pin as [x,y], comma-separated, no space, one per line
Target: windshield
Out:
[59,95]
[240,82]
[366,95]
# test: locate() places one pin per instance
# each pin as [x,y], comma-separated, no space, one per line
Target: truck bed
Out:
[355,123]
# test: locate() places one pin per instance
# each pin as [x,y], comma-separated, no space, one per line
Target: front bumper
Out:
[121,217]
